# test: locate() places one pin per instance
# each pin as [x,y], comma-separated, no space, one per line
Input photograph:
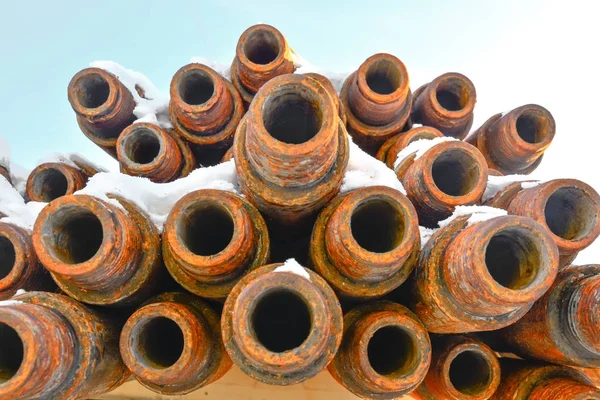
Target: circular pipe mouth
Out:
[11,352]
[392,351]
[280,320]
[50,184]
[377,225]
[196,87]
[455,172]
[206,228]
[453,94]
[384,77]
[73,234]
[92,91]
[8,257]
[141,146]
[570,214]
[532,127]
[157,342]
[470,373]
[262,47]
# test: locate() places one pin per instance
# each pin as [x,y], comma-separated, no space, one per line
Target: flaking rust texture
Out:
[323,80]
[385,351]
[484,276]
[280,327]
[366,243]
[49,181]
[211,239]
[390,149]
[377,101]
[172,344]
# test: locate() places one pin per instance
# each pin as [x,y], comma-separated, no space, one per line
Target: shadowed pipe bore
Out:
[160,342]
[455,172]
[206,229]
[377,226]
[92,91]
[383,77]
[530,128]
[7,257]
[512,259]
[196,88]
[261,47]
[281,320]
[291,118]
[451,95]
[570,214]
[73,234]
[470,373]
[11,352]
[50,184]
[391,351]
[142,146]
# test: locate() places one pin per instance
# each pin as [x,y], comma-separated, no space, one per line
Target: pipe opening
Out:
[92,90]
[377,226]
[384,77]
[452,94]
[50,184]
[261,47]
[206,228]
[531,128]
[455,172]
[470,373]
[141,146]
[513,258]
[392,351]
[570,213]
[8,256]
[290,117]
[158,343]
[73,234]
[11,352]
[281,320]
[196,87]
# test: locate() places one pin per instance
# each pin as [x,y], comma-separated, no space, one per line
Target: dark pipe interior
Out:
[11,352]
[159,342]
[377,226]
[531,128]
[384,77]
[142,146]
[452,94]
[570,213]
[392,351]
[196,87]
[92,91]
[281,320]
[206,228]
[50,184]
[7,256]
[455,172]
[261,47]
[291,118]
[513,258]
[470,373]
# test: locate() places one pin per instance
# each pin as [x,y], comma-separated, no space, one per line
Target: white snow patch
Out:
[70,159]
[497,183]
[532,184]
[478,214]
[305,67]
[419,147]
[364,170]
[19,175]
[20,291]
[14,207]
[10,302]
[4,153]
[291,265]
[222,69]
[426,234]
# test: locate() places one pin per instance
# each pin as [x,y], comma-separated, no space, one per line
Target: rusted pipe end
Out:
[211,239]
[447,104]
[228,155]
[366,243]
[506,195]
[377,100]
[173,345]
[280,327]
[262,53]
[514,143]
[4,172]
[390,149]
[385,351]
[569,208]
[146,150]
[50,181]
[461,368]
[449,174]
[323,80]
[291,151]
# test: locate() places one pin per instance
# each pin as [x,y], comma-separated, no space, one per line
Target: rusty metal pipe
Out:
[390,149]
[53,347]
[173,345]
[514,143]
[366,243]
[447,175]
[446,103]
[385,351]
[211,239]
[484,276]
[377,100]
[291,151]
[281,328]
[228,155]
[323,80]
[104,106]
[49,181]
[98,252]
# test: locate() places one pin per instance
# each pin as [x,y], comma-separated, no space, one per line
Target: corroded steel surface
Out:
[49,181]
[262,53]
[484,276]
[104,106]
[280,327]
[385,351]
[390,149]
[228,155]
[569,208]
[97,252]
[366,243]
[377,101]
[211,239]
[563,327]
[514,142]
[19,265]
[462,368]
[291,151]
[68,350]
[449,174]
[173,345]
[446,103]
[323,80]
